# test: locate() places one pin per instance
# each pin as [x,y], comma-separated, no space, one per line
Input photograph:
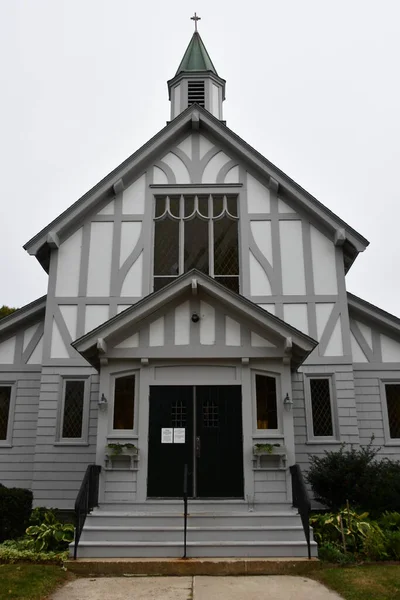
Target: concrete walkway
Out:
[270,587]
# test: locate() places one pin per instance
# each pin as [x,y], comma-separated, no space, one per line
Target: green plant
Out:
[14,551]
[265,447]
[116,448]
[345,529]
[355,475]
[15,510]
[390,521]
[374,545]
[38,514]
[329,552]
[392,544]
[51,535]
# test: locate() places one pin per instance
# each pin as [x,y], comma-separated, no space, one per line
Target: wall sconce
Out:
[102,403]
[287,402]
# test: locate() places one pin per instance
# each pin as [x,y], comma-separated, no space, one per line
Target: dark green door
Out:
[213,449]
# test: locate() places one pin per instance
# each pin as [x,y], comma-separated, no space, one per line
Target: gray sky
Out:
[313,85]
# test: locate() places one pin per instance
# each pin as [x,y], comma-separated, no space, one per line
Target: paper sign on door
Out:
[166,435]
[179,435]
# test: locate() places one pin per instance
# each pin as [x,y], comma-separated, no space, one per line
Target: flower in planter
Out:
[117,449]
[268,448]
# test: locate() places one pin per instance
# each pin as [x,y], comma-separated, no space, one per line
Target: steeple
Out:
[196,80]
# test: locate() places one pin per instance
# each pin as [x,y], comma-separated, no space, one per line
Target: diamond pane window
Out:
[196,232]
[74,393]
[321,407]
[393,408]
[267,414]
[196,245]
[166,249]
[226,252]
[5,400]
[124,402]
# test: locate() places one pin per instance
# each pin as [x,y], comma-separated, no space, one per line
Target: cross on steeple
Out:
[195,18]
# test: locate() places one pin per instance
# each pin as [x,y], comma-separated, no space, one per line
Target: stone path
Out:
[270,587]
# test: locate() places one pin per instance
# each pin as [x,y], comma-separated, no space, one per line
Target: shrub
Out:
[381,487]
[51,535]
[392,544]
[354,475]
[390,521]
[15,509]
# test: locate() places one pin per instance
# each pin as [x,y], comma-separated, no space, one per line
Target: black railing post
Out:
[185,504]
[86,500]
[301,501]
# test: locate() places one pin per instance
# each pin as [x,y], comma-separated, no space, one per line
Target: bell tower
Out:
[196,80]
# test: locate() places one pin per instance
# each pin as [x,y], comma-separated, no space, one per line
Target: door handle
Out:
[198,446]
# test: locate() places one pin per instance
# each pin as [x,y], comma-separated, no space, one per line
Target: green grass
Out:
[365,582]
[30,582]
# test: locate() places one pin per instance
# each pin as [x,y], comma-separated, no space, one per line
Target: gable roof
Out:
[32,311]
[196,57]
[197,118]
[264,322]
[369,311]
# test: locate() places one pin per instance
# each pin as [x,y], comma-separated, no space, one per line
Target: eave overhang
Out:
[386,321]
[198,119]
[26,314]
[299,345]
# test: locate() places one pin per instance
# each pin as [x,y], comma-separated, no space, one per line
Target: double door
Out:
[201,427]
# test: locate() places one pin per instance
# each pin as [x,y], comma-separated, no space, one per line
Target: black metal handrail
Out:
[86,500]
[185,507]
[301,501]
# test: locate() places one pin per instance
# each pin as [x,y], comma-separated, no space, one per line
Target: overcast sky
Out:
[313,85]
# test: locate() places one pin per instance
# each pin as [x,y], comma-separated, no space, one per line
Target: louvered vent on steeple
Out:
[196,93]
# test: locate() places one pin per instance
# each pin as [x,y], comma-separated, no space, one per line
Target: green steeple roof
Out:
[196,57]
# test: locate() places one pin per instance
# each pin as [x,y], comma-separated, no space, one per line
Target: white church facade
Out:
[196,315]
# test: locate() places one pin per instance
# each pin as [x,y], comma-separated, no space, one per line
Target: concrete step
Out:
[194,566]
[194,505]
[194,549]
[201,519]
[194,534]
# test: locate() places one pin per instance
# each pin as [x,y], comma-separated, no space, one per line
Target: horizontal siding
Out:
[120,485]
[345,406]
[370,409]
[16,463]
[59,468]
[270,486]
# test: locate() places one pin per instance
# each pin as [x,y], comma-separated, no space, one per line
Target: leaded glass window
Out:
[124,402]
[210,414]
[196,231]
[5,401]
[321,407]
[393,408]
[74,396]
[267,413]
[178,414]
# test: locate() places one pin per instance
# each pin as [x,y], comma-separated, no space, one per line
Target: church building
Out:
[196,322]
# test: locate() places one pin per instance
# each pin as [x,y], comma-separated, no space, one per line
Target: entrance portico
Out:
[208,371]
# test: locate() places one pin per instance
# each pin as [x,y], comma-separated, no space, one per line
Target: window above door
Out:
[196,231]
